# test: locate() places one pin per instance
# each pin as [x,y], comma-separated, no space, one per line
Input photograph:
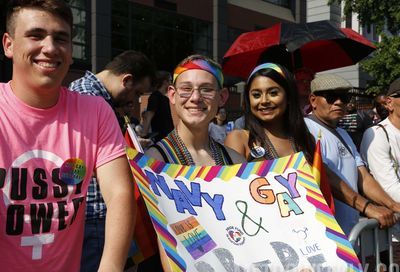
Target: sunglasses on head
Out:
[331,97]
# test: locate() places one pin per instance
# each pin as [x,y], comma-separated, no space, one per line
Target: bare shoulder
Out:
[235,156]
[154,153]
[238,134]
[237,140]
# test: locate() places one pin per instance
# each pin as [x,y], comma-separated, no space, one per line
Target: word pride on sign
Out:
[260,216]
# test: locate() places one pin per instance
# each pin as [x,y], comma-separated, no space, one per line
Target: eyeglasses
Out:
[332,97]
[187,91]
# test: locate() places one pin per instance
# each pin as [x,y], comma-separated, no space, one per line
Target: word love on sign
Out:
[259,216]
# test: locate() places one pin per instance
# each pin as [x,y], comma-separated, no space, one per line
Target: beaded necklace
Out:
[268,150]
[184,155]
[271,149]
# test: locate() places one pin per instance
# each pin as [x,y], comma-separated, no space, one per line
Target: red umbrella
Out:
[318,46]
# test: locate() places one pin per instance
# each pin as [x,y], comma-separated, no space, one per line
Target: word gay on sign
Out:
[259,216]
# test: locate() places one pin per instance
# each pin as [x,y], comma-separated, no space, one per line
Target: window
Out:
[164,36]
[283,3]
[81,28]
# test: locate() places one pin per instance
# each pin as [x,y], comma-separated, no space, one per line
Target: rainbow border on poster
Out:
[323,214]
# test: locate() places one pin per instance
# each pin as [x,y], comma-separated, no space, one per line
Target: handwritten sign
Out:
[261,216]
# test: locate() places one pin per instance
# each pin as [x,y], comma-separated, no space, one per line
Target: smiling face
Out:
[41,49]
[202,105]
[268,101]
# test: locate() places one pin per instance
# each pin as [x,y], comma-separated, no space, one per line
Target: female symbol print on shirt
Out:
[38,203]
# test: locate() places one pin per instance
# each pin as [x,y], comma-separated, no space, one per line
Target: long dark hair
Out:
[293,117]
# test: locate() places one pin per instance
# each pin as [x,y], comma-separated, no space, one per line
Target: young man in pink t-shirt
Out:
[51,142]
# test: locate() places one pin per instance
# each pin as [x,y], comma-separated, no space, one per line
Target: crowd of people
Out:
[63,163]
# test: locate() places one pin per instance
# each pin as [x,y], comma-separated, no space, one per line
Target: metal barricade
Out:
[368,239]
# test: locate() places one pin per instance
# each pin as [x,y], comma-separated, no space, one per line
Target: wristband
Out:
[366,205]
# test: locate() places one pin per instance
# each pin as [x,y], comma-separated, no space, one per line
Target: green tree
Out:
[374,12]
[384,64]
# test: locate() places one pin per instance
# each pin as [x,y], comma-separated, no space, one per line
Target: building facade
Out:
[165,30]
[169,30]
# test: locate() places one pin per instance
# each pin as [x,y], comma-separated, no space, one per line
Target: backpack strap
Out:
[395,163]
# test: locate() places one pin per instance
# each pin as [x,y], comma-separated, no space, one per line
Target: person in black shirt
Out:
[158,113]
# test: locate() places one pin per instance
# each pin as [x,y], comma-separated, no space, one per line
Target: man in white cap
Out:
[328,98]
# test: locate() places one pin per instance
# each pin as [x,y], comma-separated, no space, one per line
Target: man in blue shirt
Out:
[328,99]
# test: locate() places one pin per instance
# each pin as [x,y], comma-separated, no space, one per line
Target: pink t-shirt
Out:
[41,217]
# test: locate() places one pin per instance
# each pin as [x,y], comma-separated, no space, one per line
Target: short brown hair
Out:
[56,7]
[131,62]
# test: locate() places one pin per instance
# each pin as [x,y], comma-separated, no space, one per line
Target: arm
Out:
[235,156]
[371,188]
[115,180]
[343,192]
[375,150]
[237,140]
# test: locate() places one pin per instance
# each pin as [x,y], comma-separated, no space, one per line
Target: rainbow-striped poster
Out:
[259,216]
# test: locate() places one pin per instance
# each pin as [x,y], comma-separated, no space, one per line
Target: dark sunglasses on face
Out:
[331,97]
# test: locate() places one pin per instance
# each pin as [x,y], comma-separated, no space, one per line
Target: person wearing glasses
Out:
[329,94]
[196,94]
[274,127]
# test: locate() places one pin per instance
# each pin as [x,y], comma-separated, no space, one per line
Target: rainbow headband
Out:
[200,65]
[267,65]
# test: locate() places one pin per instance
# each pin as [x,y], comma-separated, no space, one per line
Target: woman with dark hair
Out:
[274,124]
[217,129]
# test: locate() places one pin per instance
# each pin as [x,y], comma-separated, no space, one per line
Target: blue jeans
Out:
[93,244]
